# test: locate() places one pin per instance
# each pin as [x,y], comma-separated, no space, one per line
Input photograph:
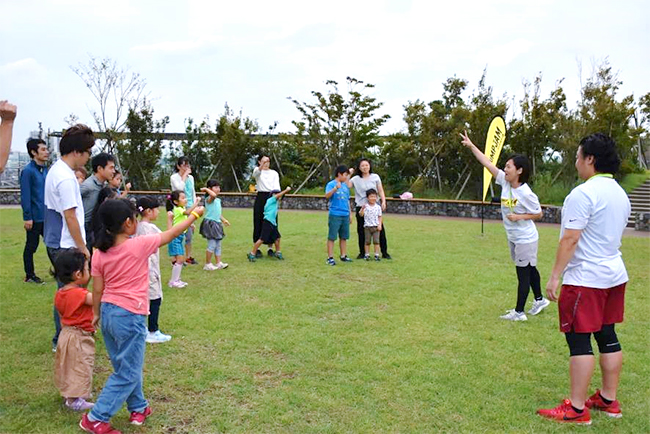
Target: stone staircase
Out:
[640,200]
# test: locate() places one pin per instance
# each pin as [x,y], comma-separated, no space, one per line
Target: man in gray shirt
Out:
[103,165]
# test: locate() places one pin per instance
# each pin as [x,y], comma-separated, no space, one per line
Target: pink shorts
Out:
[586,310]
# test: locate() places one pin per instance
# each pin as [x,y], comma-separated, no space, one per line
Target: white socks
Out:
[176,272]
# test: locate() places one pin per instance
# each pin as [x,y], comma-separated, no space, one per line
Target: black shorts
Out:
[269,233]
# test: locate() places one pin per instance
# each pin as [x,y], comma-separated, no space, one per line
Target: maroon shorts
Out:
[586,310]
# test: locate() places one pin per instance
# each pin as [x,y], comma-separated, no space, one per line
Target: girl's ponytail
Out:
[171,199]
[112,214]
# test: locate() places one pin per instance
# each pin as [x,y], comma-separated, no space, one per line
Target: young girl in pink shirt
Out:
[120,271]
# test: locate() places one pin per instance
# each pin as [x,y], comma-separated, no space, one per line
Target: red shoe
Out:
[565,413]
[96,427]
[596,402]
[139,418]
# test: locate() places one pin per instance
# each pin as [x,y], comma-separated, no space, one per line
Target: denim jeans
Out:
[124,333]
[52,253]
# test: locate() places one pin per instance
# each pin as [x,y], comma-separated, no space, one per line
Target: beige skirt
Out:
[74,362]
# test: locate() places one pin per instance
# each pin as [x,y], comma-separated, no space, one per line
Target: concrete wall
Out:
[431,207]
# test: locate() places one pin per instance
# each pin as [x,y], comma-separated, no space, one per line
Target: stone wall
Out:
[425,207]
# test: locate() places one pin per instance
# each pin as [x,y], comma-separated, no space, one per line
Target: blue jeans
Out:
[124,333]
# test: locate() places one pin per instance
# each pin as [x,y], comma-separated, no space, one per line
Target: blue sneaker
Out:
[345,259]
[331,261]
[251,257]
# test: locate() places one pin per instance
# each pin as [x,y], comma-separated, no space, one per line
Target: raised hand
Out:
[7,111]
[466,140]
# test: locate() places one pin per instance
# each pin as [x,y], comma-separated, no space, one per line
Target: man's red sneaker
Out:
[96,427]
[565,413]
[596,402]
[138,418]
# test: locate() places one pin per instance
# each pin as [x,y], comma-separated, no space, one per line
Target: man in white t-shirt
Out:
[64,211]
[594,217]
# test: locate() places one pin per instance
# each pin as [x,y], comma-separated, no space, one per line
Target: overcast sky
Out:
[197,55]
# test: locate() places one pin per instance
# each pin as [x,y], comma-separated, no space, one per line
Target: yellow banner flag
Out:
[494,141]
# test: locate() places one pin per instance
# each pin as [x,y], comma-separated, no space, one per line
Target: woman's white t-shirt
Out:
[520,200]
[361,185]
[266,180]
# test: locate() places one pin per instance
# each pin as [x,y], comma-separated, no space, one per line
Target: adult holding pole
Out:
[182,180]
[594,277]
[266,181]
[362,181]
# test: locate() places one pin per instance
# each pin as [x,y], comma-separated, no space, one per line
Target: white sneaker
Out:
[513,315]
[210,267]
[163,336]
[177,284]
[538,306]
[156,337]
[221,266]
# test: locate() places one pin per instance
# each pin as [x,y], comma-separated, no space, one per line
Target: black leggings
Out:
[361,236]
[528,277]
[154,311]
[258,213]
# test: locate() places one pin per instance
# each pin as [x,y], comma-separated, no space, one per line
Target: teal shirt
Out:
[271,210]
[213,210]
[189,191]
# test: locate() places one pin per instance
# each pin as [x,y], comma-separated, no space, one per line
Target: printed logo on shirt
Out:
[510,203]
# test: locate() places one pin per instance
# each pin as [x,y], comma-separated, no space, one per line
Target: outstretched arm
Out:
[480,156]
[170,234]
[278,196]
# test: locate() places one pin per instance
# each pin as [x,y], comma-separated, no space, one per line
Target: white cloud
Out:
[22,71]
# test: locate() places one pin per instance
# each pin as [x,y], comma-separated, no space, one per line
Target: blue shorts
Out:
[338,225]
[175,247]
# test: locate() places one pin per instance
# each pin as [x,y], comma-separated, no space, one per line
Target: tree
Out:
[196,147]
[538,130]
[600,111]
[233,147]
[117,90]
[141,152]
[340,128]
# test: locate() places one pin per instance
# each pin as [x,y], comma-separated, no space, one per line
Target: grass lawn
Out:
[409,345]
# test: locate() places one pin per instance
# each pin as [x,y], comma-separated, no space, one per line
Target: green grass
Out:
[412,345]
[633,180]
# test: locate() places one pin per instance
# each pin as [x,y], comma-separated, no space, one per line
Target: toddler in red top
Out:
[75,353]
